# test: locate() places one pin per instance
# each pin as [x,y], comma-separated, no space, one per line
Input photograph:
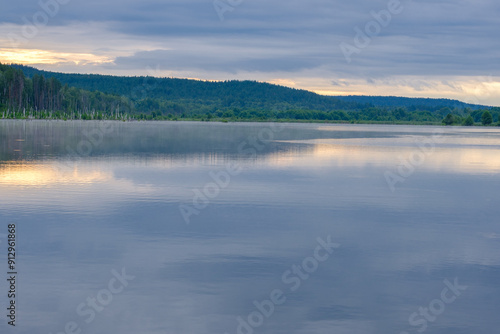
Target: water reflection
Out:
[16,174]
[467,158]
[118,207]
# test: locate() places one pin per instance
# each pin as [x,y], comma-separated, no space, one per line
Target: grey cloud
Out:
[180,60]
[447,38]
[340,83]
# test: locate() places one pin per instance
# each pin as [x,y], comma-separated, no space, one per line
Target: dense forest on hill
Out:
[21,97]
[196,93]
[26,92]
[239,94]
[415,103]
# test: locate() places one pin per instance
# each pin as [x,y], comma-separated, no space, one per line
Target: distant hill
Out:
[227,94]
[29,93]
[237,94]
[409,102]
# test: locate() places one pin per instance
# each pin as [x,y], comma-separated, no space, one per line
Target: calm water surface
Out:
[251,228]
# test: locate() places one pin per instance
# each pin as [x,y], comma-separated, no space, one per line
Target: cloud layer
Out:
[424,48]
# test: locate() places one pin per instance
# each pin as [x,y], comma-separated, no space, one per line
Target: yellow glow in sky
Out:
[33,56]
[475,90]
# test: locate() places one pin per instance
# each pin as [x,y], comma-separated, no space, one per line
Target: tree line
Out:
[38,97]
[29,93]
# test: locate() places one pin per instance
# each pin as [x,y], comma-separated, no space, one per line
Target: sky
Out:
[415,48]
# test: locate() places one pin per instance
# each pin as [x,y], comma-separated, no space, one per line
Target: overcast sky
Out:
[439,48]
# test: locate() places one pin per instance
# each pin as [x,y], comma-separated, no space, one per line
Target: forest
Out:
[48,98]
[29,93]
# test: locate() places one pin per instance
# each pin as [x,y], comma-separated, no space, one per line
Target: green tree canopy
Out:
[486,118]
[449,119]
[469,121]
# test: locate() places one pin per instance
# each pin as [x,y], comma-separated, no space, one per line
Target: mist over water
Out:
[185,227]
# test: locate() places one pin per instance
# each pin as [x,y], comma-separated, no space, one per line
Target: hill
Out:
[26,92]
[227,94]
[239,94]
[409,102]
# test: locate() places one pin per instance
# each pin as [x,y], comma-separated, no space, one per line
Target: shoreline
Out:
[225,121]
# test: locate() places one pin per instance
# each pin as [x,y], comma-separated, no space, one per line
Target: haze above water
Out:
[404,237]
